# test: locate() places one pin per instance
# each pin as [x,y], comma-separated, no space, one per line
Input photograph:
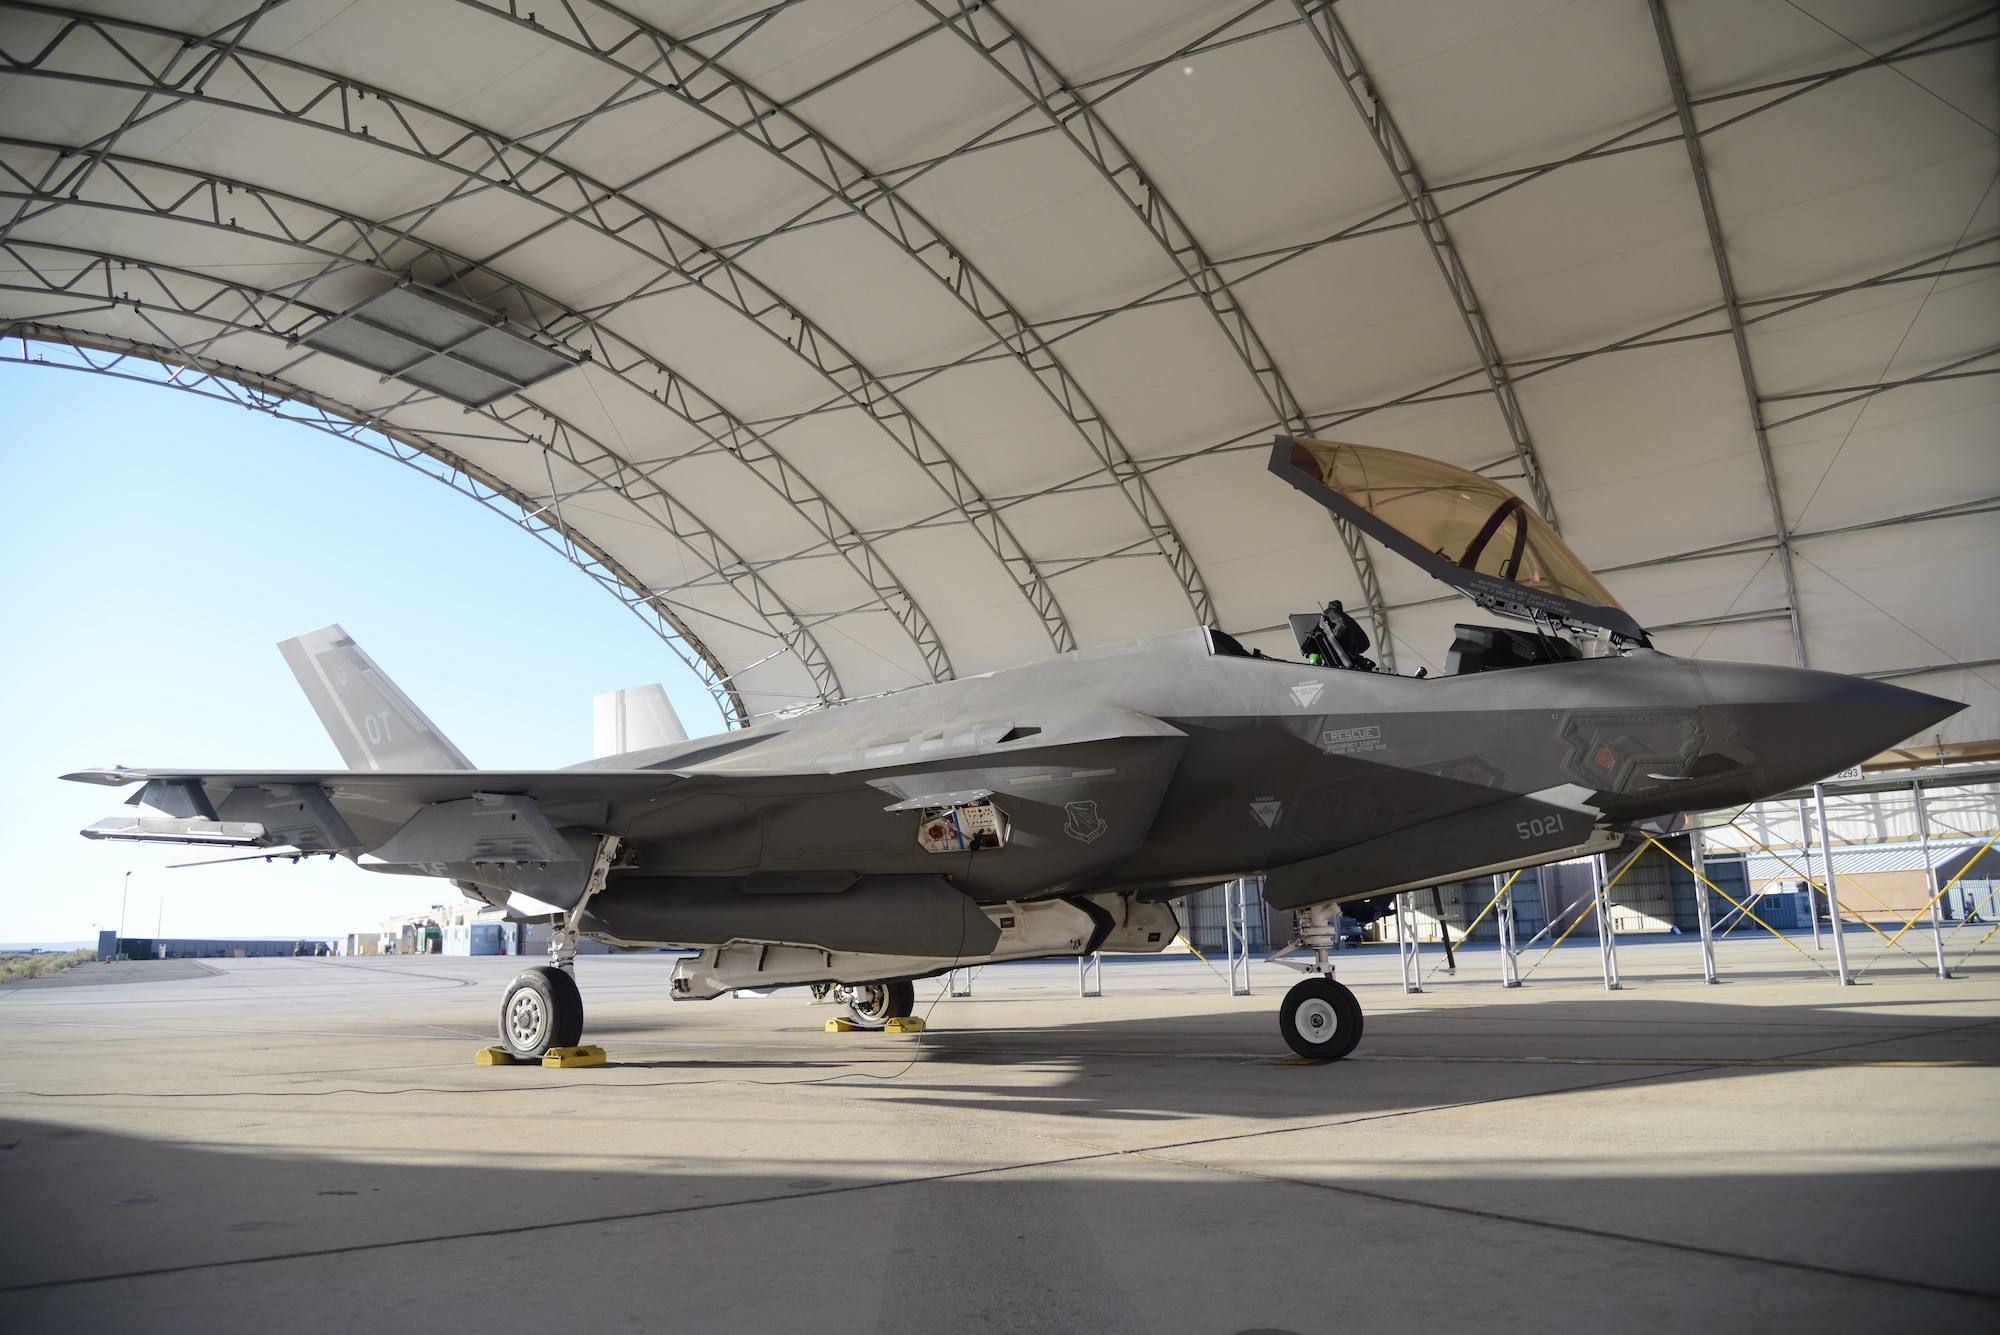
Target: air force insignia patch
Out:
[1084,824]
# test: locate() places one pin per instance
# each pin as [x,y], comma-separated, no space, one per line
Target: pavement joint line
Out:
[512,1230]
[1585,1230]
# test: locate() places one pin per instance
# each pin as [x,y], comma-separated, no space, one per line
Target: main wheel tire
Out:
[1320,1019]
[873,1005]
[542,1010]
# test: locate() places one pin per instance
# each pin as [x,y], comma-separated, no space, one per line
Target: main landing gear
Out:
[873,1005]
[1320,1019]
[542,1008]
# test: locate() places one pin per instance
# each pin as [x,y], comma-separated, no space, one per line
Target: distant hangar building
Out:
[860,347]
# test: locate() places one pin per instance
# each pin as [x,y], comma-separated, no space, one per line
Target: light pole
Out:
[122,897]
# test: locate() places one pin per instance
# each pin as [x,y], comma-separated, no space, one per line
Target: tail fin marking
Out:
[373,723]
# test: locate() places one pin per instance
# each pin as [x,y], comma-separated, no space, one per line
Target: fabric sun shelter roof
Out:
[884,343]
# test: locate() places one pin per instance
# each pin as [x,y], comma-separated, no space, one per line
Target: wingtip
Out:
[111,776]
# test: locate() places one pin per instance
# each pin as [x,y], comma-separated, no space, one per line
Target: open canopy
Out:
[1466,530]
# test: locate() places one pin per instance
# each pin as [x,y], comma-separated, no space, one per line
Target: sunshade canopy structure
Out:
[860,345]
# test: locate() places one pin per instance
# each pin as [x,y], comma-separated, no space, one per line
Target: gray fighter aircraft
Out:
[1059,808]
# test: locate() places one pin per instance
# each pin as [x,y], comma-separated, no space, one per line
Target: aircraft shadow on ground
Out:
[1076,1239]
[1174,1068]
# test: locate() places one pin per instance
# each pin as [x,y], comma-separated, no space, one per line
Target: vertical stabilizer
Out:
[373,723]
[634,719]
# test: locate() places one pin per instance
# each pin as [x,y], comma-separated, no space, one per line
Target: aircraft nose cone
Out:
[1803,725]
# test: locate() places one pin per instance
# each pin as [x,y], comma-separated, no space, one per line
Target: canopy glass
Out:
[1471,521]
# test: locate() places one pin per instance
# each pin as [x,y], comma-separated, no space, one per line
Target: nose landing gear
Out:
[1320,1018]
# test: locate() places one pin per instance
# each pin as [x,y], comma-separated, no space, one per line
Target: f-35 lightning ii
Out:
[1059,808]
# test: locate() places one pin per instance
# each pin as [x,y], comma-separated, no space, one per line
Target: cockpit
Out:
[1463,529]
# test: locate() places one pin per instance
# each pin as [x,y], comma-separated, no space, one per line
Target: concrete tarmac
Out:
[306,1145]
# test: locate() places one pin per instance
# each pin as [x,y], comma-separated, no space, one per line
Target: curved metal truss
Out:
[1035,77]
[1698,164]
[1331,38]
[655,59]
[344,242]
[31,343]
[226,307]
[485,160]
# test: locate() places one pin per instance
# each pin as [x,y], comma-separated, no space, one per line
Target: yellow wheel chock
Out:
[904,1024]
[567,1057]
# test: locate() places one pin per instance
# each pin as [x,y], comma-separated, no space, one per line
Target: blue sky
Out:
[161,545]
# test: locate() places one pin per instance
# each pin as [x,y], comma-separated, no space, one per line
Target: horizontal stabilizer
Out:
[373,723]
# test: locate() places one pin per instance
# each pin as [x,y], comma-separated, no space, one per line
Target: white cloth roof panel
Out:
[1590,254]
[1256,148]
[1002,427]
[1805,199]
[1044,226]
[799,46]
[1930,446]
[885,308]
[1856,594]
[1165,375]
[932,88]
[730,190]
[1475,83]
[1728,44]
[1361,322]
[1885,332]
[743,366]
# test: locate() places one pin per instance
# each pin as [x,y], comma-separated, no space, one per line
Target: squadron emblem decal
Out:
[1084,824]
[1306,692]
[1267,812]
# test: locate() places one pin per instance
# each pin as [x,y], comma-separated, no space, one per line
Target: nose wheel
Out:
[1320,1019]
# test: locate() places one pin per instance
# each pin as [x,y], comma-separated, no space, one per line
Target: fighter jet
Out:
[1061,807]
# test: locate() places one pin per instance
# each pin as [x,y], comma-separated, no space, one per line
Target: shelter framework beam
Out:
[233,308]
[1697,163]
[174,369]
[1331,37]
[649,55]
[485,160]
[1035,77]
[196,199]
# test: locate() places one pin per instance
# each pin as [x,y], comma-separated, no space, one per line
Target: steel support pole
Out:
[1236,934]
[1930,879]
[1607,940]
[1701,913]
[1806,847]
[1408,953]
[1090,975]
[958,983]
[1510,960]
[1832,890]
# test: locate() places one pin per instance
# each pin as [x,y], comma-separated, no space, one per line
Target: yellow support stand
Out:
[904,1024]
[840,1025]
[567,1057]
[494,1057]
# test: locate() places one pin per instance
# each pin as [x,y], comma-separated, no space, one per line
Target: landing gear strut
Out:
[542,1008]
[1320,1019]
